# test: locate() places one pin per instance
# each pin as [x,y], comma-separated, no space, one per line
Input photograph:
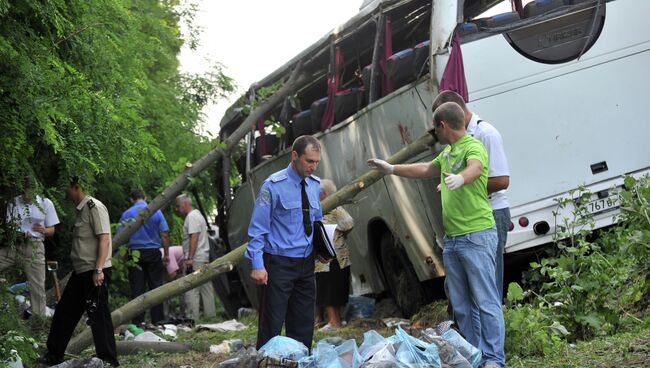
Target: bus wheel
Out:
[400,277]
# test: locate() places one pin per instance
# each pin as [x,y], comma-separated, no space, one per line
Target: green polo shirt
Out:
[466,209]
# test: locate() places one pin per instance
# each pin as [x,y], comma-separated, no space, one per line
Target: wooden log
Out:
[134,347]
[225,263]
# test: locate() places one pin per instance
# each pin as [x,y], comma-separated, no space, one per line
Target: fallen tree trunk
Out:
[225,263]
[158,295]
[170,193]
[134,347]
[296,81]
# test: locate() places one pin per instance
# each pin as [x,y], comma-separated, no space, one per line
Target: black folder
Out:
[323,245]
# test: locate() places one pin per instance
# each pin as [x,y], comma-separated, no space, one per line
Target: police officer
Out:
[280,249]
[87,289]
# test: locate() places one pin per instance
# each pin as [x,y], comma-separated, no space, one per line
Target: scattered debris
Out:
[149,336]
[394,322]
[227,346]
[170,330]
[232,325]
[82,363]
[247,358]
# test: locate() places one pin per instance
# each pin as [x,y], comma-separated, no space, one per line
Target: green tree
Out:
[93,89]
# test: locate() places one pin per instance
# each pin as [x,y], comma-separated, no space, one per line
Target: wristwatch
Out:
[98,270]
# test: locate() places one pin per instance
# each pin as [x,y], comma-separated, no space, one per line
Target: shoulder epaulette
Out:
[316,178]
[91,204]
[278,177]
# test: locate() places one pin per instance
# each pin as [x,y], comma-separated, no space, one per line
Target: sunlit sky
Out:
[252,38]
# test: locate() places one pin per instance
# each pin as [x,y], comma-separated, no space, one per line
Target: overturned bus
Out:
[564,81]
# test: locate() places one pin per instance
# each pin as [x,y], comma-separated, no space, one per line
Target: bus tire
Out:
[400,277]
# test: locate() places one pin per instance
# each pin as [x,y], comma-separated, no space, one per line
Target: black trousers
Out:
[70,309]
[151,272]
[287,298]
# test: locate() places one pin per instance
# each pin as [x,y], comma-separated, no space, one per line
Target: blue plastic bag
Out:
[414,352]
[348,353]
[467,350]
[326,356]
[284,347]
[372,341]
[449,356]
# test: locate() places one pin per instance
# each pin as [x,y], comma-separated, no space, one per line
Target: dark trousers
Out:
[70,309]
[151,272]
[287,298]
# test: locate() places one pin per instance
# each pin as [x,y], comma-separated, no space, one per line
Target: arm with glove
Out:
[471,172]
[423,170]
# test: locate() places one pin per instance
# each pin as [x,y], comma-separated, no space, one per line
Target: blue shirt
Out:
[276,225]
[148,235]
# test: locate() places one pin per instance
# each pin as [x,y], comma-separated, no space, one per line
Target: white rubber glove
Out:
[381,165]
[454,181]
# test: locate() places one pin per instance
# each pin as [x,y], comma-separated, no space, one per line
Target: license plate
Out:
[601,205]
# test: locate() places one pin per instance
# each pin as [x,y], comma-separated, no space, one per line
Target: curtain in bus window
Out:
[453,78]
[387,53]
[333,86]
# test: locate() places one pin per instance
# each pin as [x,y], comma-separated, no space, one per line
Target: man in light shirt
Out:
[35,217]
[196,250]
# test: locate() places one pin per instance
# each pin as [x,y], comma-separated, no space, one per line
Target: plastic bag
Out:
[414,352]
[348,353]
[371,343]
[284,347]
[383,356]
[326,356]
[467,350]
[449,356]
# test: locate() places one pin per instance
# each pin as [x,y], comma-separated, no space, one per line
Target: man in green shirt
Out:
[470,235]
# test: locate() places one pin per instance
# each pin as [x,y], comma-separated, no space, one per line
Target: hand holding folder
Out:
[324,241]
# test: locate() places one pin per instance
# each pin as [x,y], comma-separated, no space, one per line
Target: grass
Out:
[630,349]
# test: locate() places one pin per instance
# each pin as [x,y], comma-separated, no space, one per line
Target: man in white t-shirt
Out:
[498,174]
[35,217]
[196,250]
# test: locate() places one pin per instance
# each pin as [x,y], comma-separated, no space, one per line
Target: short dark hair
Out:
[451,113]
[75,181]
[448,96]
[301,143]
[137,194]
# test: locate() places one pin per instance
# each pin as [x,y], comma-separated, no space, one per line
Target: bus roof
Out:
[321,47]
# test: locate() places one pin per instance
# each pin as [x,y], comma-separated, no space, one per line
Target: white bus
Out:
[564,81]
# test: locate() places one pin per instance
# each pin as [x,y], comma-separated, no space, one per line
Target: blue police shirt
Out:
[276,225]
[148,235]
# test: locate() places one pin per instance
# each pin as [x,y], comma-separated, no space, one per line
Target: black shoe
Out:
[48,360]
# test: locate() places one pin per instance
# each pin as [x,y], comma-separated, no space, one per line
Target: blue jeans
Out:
[470,266]
[502,219]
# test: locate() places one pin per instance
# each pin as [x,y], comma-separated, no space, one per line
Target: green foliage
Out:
[16,337]
[93,89]
[588,285]
[272,124]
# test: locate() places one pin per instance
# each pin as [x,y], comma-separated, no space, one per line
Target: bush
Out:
[530,330]
[16,338]
[588,285]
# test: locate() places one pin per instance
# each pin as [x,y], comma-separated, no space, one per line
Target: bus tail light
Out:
[523,221]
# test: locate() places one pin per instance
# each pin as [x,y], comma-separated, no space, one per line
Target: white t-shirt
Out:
[497,161]
[195,223]
[41,211]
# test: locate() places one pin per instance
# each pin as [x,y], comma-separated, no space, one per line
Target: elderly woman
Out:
[333,279]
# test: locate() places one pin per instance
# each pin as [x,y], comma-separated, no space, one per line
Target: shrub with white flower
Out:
[14,344]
